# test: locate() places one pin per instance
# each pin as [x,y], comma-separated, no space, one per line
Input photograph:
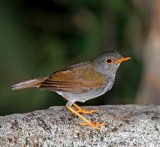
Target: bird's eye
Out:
[109,60]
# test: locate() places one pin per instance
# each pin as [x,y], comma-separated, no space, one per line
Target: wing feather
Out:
[74,79]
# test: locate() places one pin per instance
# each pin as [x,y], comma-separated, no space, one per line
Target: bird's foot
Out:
[81,110]
[86,121]
[86,111]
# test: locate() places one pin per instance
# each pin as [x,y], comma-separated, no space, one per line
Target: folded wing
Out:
[77,79]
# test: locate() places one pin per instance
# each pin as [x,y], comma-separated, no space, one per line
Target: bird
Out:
[81,82]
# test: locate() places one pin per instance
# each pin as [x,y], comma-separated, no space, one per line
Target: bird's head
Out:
[109,61]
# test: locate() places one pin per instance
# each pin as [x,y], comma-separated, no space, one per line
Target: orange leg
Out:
[81,110]
[86,122]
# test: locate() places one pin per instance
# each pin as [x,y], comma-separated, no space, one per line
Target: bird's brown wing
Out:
[74,79]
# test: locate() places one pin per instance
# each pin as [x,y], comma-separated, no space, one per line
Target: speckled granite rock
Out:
[126,125]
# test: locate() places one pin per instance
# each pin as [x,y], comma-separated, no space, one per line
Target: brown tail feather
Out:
[29,84]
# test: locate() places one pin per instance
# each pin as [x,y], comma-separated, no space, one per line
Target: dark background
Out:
[39,37]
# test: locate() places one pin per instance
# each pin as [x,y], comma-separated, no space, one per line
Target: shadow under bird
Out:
[81,82]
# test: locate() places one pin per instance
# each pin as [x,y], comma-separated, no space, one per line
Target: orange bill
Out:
[123,59]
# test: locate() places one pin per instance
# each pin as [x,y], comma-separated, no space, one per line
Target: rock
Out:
[125,125]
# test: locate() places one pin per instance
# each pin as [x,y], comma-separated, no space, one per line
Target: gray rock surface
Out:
[126,125]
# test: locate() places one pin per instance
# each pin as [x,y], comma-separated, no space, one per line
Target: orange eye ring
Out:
[109,61]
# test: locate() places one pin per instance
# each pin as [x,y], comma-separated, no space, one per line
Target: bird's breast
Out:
[107,87]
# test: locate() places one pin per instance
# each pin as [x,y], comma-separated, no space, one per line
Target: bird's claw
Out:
[92,124]
[86,111]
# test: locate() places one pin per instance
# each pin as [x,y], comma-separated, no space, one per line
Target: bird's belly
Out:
[82,97]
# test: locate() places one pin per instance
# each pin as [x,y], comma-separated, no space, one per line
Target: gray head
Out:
[108,62]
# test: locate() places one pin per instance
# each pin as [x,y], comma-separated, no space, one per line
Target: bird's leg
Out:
[81,110]
[86,122]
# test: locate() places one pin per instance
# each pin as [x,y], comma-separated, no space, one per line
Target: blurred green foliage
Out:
[40,37]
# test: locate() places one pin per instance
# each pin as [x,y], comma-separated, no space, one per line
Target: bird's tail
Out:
[29,84]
